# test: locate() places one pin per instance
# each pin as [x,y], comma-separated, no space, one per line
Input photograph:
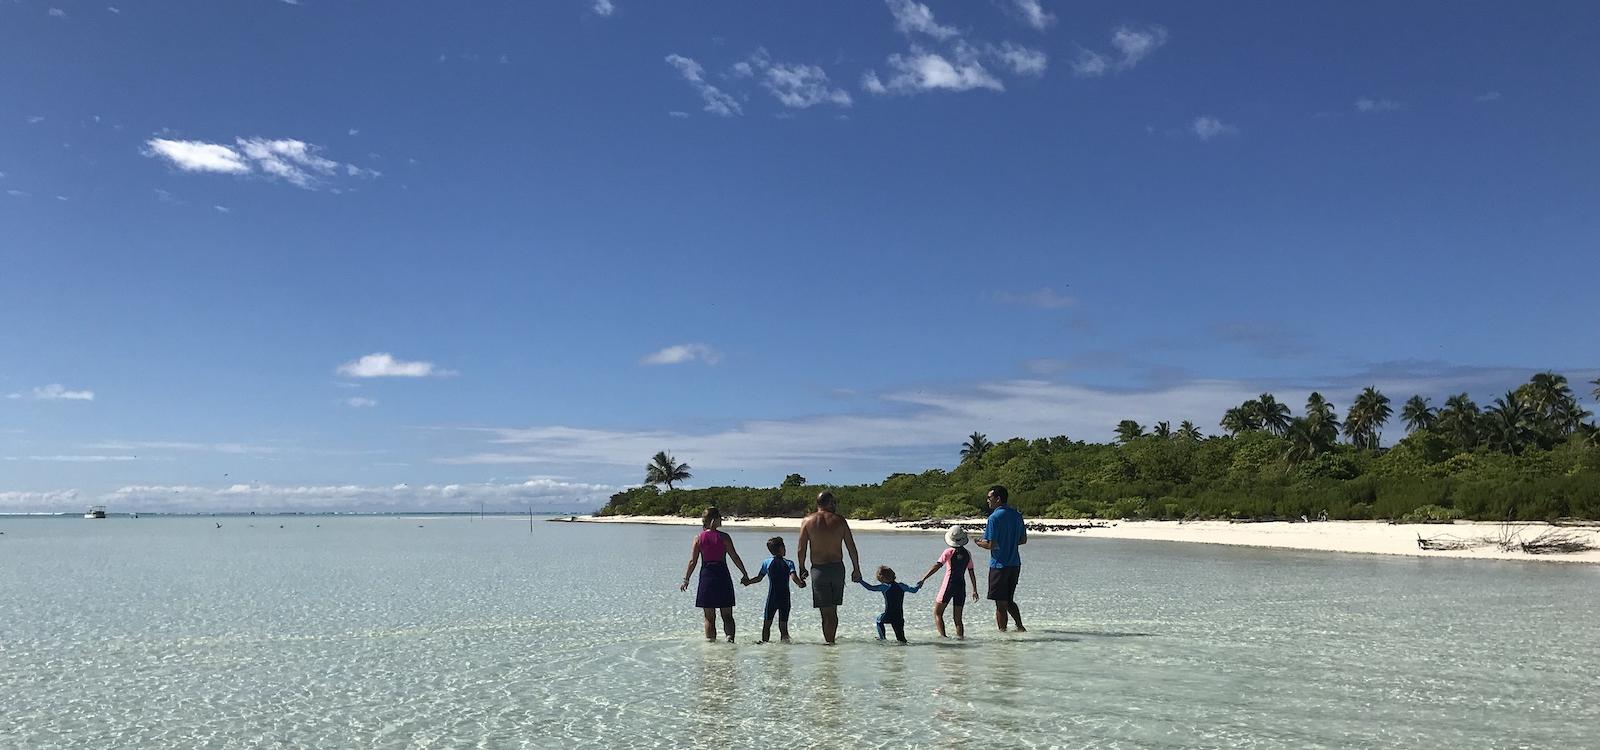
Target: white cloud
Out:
[1487,96]
[922,427]
[58,13]
[678,114]
[1208,127]
[603,7]
[73,459]
[294,161]
[48,501]
[681,353]
[1033,13]
[717,102]
[544,493]
[197,156]
[384,365]
[15,193]
[233,449]
[921,71]
[1365,104]
[1022,60]
[1133,45]
[361,402]
[915,18]
[113,9]
[58,392]
[794,85]
[1043,299]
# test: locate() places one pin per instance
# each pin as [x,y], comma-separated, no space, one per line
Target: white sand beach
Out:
[1364,537]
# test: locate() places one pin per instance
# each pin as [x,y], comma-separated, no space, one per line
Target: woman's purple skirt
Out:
[716,586]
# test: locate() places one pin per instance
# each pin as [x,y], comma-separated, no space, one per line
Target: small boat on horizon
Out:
[95,511]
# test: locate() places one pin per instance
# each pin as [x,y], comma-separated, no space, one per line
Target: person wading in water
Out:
[824,536]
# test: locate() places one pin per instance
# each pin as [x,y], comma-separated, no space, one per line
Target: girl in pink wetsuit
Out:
[953,590]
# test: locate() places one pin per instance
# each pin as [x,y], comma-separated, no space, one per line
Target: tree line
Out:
[1531,454]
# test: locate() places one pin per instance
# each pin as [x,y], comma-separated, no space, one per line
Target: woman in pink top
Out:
[714,547]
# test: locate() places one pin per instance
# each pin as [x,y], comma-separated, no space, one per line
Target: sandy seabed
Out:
[1364,537]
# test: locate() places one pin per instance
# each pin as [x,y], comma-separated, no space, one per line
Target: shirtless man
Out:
[821,536]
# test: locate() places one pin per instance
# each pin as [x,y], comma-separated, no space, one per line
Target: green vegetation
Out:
[1530,455]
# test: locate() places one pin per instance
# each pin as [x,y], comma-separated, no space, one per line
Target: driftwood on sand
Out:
[1508,538]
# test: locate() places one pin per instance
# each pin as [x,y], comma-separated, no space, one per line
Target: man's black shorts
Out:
[1003,583]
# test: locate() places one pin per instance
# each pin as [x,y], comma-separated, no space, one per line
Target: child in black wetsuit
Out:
[894,594]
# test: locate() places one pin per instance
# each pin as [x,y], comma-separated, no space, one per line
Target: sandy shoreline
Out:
[1362,537]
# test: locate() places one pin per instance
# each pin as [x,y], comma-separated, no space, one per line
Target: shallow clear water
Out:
[460,632]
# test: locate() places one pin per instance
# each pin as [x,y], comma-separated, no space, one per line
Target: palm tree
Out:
[1458,420]
[1418,415]
[1509,423]
[1366,417]
[663,469]
[1162,430]
[1128,429]
[1239,419]
[1187,431]
[1273,415]
[1596,383]
[1322,418]
[977,444]
[1307,440]
[1556,413]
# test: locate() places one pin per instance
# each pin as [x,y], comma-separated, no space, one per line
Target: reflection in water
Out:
[892,678]
[717,681]
[824,703]
[951,695]
[1003,684]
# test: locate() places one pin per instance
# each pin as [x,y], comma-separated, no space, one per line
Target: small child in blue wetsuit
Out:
[778,571]
[894,595]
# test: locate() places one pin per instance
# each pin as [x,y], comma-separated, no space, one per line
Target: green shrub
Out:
[1429,513]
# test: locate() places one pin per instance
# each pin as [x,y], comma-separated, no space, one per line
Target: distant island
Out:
[1532,454]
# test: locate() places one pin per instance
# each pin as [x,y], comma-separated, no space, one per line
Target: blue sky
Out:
[354,255]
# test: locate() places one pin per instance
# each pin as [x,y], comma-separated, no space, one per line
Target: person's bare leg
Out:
[783,628]
[711,623]
[1000,614]
[766,630]
[830,623]
[961,632]
[727,622]
[938,618]
[1016,616]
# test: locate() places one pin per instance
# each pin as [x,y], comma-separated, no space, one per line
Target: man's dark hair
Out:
[825,500]
[999,491]
[774,544]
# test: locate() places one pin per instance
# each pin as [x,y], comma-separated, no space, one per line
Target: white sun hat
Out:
[956,537]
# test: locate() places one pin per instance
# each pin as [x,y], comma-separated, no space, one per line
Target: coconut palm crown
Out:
[664,469]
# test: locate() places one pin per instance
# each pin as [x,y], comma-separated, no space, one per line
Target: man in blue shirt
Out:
[1003,534]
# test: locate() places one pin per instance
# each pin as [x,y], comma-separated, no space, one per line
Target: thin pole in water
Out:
[530,518]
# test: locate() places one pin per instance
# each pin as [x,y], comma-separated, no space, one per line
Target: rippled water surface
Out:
[461,632]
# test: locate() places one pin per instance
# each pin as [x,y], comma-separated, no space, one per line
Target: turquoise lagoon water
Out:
[408,633]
